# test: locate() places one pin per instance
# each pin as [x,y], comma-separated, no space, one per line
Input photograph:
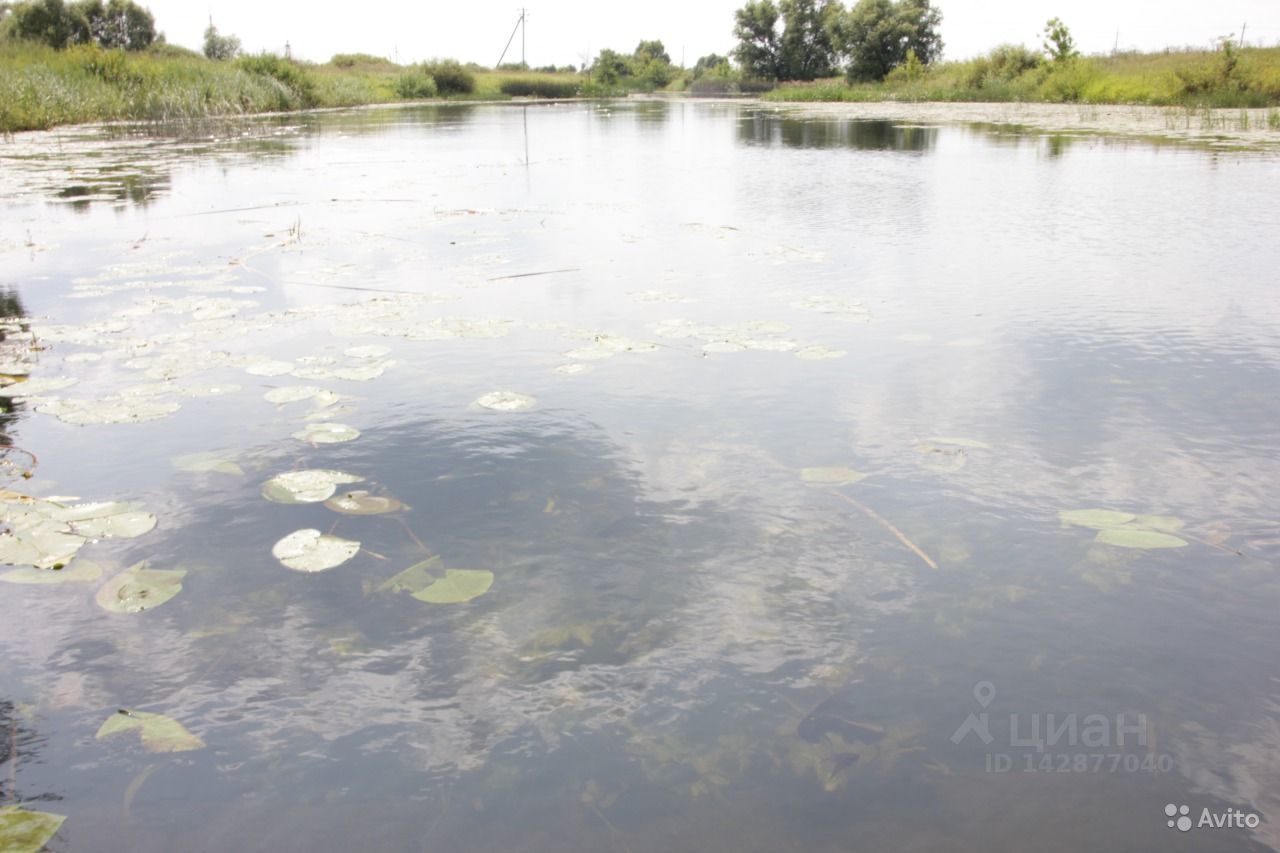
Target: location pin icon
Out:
[984,692]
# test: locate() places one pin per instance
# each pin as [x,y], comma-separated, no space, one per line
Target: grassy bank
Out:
[41,87]
[1248,77]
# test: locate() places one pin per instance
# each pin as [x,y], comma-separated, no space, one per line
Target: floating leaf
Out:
[207,463]
[362,503]
[44,545]
[960,442]
[312,485]
[124,525]
[291,393]
[269,368]
[573,369]
[817,352]
[1098,519]
[413,579]
[723,346]
[158,732]
[140,588]
[32,387]
[831,476]
[24,831]
[457,586]
[369,351]
[506,401]
[309,550]
[80,571]
[1136,537]
[327,433]
[1166,523]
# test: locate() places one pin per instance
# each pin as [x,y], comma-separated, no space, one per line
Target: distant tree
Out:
[878,35]
[808,48]
[802,48]
[759,49]
[120,24]
[220,47]
[1058,44]
[712,63]
[44,21]
[651,64]
[609,67]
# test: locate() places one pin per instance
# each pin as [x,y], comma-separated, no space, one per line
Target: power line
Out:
[520,25]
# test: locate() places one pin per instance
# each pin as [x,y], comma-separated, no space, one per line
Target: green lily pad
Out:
[140,588]
[960,442]
[125,525]
[269,368]
[362,503]
[158,732]
[831,476]
[312,485]
[1165,523]
[309,550]
[506,401]
[1098,519]
[413,579]
[457,586]
[292,393]
[327,433]
[24,831]
[80,571]
[207,463]
[34,387]
[367,351]
[1136,537]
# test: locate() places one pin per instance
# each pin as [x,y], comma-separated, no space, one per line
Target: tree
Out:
[121,24]
[45,21]
[877,35]
[1058,44]
[651,64]
[218,46]
[808,48]
[609,67]
[759,49]
[713,64]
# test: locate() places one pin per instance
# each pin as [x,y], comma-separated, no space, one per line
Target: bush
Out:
[289,74]
[524,87]
[350,60]
[450,76]
[414,84]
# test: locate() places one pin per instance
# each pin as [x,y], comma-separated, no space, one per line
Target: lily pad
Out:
[1136,537]
[818,352]
[368,351]
[125,525]
[1098,519]
[309,550]
[269,368]
[32,387]
[1165,523]
[207,463]
[291,393]
[573,369]
[140,588]
[362,503]
[457,586]
[327,433]
[312,485]
[24,831]
[158,732]
[80,571]
[413,579]
[506,401]
[831,476]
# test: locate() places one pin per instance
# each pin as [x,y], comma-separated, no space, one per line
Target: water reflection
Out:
[773,130]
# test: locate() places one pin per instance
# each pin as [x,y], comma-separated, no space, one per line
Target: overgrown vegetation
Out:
[1228,77]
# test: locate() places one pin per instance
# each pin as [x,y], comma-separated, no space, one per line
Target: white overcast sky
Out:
[568,31]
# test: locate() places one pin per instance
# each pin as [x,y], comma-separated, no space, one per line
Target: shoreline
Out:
[1223,128]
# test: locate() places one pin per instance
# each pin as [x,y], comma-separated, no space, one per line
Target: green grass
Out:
[1238,78]
[42,88]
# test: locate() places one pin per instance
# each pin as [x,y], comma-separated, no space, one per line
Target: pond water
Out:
[776,531]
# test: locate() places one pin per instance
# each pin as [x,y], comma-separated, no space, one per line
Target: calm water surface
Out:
[687,646]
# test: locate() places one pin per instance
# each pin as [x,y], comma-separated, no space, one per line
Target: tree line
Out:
[114,24]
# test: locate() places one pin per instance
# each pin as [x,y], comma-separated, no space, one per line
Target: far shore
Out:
[1226,128]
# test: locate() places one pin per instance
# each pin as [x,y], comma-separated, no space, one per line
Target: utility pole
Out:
[1115,48]
[524,26]
[520,25]
[1242,28]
